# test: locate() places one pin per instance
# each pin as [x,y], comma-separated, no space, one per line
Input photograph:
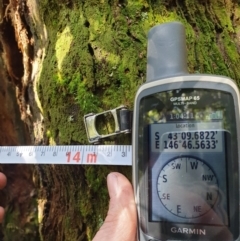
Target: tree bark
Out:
[70,58]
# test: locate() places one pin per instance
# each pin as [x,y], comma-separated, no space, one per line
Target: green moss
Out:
[89,56]
[26,230]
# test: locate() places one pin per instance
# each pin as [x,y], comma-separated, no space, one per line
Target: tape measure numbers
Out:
[75,155]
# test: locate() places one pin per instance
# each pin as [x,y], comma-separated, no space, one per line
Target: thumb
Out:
[120,223]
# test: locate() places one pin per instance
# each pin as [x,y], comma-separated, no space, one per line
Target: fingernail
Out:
[112,182]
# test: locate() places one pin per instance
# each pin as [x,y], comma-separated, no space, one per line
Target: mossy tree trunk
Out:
[90,56]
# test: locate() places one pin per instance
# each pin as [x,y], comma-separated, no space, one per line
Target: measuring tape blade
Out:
[76,155]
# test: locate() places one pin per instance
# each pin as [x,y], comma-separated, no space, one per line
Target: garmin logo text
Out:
[188,230]
[184,98]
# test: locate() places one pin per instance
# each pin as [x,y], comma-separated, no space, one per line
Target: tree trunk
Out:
[70,58]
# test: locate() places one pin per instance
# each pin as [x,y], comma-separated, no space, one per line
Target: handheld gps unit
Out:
[185,147]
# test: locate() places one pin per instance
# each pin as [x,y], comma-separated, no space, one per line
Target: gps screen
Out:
[190,134]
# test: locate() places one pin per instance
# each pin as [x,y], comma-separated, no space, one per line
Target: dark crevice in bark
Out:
[90,49]
[13,57]
[129,34]
[87,24]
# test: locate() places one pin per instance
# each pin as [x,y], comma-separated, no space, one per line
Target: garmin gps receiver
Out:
[185,147]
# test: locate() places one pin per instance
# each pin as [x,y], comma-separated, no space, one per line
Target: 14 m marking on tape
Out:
[75,155]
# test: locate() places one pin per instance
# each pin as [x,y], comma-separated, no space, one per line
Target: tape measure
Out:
[75,155]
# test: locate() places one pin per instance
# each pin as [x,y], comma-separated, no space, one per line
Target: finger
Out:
[120,223]
[1,214]
[3,180]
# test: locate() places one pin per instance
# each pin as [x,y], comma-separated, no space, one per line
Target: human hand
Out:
[121,221]
[3,182]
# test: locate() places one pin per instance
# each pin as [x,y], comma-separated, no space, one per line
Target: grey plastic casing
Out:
[167,70]
[166,52]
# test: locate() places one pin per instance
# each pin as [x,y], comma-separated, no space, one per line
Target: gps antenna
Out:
[167,53]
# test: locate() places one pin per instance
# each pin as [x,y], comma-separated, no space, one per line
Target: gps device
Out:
[185,147]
